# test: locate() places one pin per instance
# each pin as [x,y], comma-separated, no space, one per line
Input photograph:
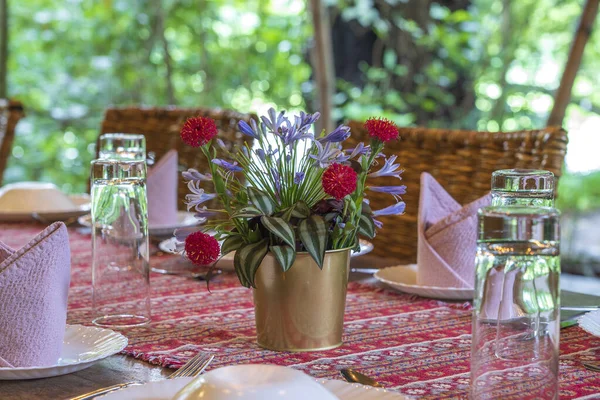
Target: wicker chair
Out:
[161,127]
[10,113]
[462,161]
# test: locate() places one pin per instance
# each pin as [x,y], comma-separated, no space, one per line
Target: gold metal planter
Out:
[301,309]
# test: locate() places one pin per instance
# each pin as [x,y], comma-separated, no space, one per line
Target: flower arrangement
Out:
[288,192]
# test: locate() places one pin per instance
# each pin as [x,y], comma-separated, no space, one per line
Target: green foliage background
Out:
[69,60]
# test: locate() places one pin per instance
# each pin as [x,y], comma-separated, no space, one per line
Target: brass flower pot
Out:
[301,309]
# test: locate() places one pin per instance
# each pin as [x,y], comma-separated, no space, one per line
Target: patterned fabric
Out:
[415,346]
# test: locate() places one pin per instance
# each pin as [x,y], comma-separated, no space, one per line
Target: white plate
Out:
[404,279]
[590,322]
[81,201]
[82,347]
[184,219]
[226,263]
[165,390]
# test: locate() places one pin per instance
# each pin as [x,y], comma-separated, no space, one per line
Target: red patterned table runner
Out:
[415,346]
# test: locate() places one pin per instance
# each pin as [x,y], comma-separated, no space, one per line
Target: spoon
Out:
[356,377]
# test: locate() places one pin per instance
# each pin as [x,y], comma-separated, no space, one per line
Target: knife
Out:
[579,308]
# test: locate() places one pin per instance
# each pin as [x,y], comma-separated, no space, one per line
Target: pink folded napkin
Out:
[162,190]
[447,236]
[34,284]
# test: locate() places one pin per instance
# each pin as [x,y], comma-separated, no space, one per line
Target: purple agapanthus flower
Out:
[203,213]
[298,177]
[197,195]
[304,121]
[264,154]
[378,224]
[326,154]
[395,191]
[359,150]
[388,169]
[395,209]
[290,134]
[273,123]
[281,126]
[193,175]
[247,130]
[276,179]
[180,235]
[339,134]
[261,155]
[222,144]
[233,167]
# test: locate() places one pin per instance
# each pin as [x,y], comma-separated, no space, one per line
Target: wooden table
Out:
[120,368]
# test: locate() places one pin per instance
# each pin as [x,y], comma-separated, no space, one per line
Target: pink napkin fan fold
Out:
[447,235]
[161,185]
[34,285]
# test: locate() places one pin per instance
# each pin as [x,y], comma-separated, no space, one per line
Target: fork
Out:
[194,367]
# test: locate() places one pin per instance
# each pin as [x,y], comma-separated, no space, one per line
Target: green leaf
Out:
[232,243]
[366,208]
[247,212]
[331,216]
[300,210]
[280,228]
[253,235]
[313,235]
[261,200]
[287,213]
[366,226]
[285,255]
[249,258]
[239,270]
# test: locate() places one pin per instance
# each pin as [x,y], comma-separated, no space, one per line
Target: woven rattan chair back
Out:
[10,113]
[161,126]
[462,161]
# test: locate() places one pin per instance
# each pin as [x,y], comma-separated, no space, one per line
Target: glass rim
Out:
[116,161]
[518,172]
[120,135]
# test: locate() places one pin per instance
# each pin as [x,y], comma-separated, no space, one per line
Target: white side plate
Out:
[184,219]
[165,390]
[590,322]
[226,262]
[81,201]
[404,279]
[82,347]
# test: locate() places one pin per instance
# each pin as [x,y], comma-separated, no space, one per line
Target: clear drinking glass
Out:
[120,252]
[122,146]
[516,308]
[525,187]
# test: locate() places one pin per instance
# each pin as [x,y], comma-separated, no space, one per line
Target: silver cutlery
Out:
[579,308]
[592,366]
[354,376]
[192,368]
[364,270]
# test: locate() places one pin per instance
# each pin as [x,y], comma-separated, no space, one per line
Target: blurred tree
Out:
[69,60]
[433,62]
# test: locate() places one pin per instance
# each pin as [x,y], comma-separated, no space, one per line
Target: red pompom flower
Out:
[339,181]
[202,249]
[382,129]
[198,131]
